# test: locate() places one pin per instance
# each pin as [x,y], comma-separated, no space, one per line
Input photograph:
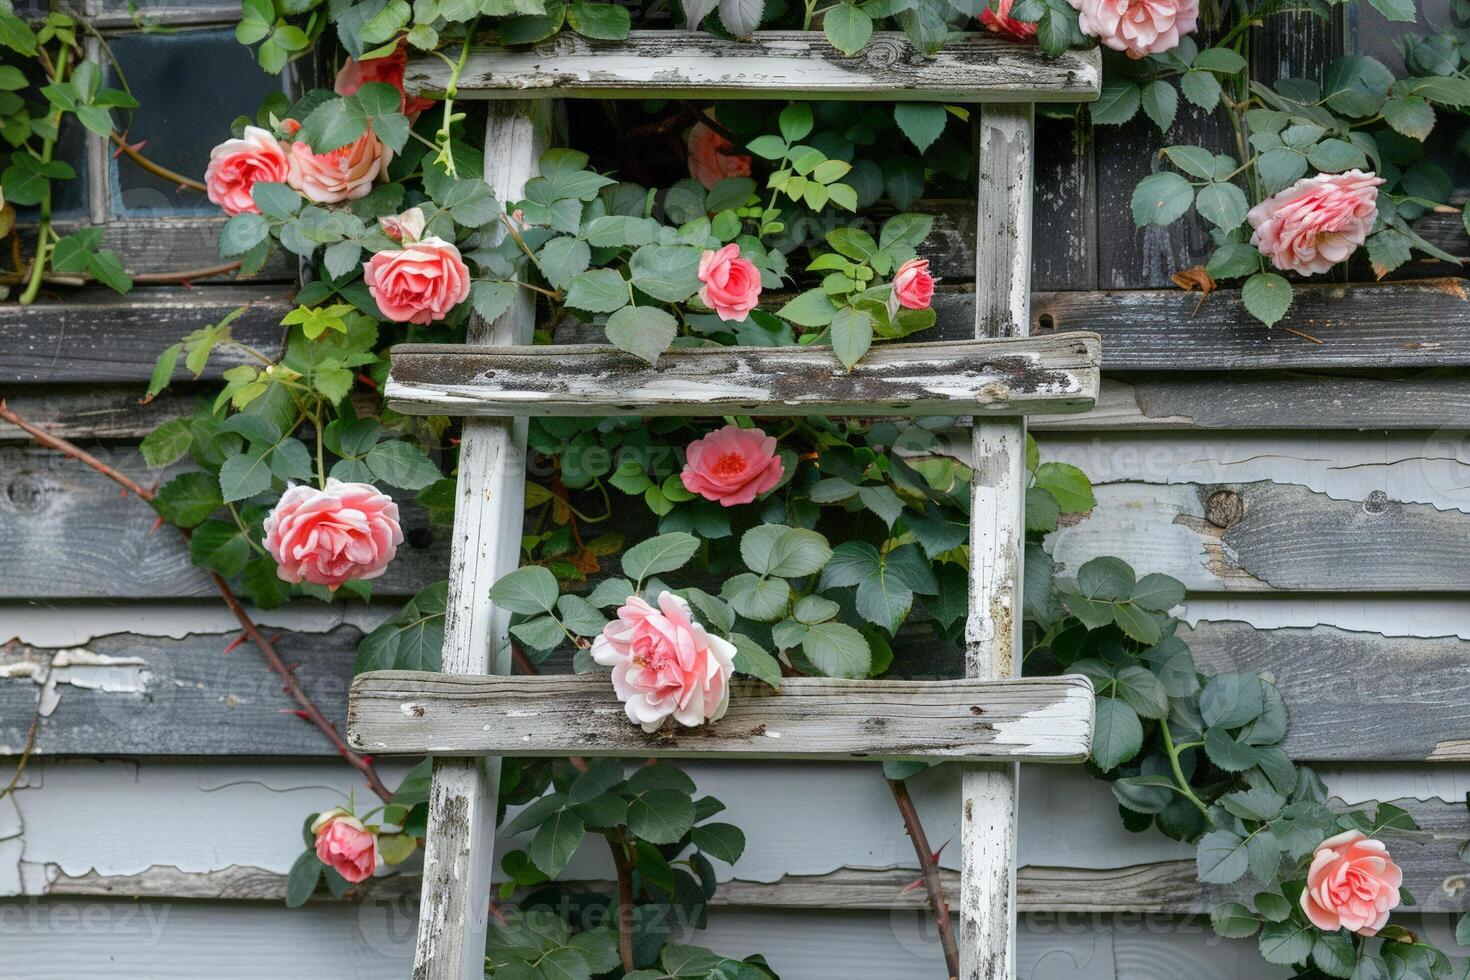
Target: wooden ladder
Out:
[465,717]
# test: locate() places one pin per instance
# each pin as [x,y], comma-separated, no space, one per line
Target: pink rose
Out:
[347,531]
[418,284]
[344,845]
[732,285]
[1317,222]
[405,227]
[1352,884]
[913,287]
[664,663]
[343,174]
[712,158]
[1001,22]
[236,166]
[1138,27]
[388,69]
[732,465]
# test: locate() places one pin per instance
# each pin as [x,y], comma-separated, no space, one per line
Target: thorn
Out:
[237,641]
[157,523]
[135,147]
[367,759]
[367,381]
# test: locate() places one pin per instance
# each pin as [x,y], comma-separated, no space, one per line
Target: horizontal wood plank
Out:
[172,243]
[100,337]
[1033,720]
[976,67]
[143,695]
[86,539]
[980,377]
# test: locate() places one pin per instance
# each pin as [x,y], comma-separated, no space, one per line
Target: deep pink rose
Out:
[1316,222]
[389,69]
[664,663]
[343,174]
[347,531]
[913,287]
[420,283]
[732,285]
[1352,884]
[1001,22]
[344,845]
[732,465]
[1137,27]
[236,166]
[712,158]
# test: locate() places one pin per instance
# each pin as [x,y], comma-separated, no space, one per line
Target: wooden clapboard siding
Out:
[186,697]
[85,539]
[101,337]
[991,377]
[173,243]
[1163,887]
[1271,537]
[978,67]
[810,718]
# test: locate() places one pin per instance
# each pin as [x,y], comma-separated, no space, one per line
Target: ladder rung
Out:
[1023,376]
[1046,719]
[978,67]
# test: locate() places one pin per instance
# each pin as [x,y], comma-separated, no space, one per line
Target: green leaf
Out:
[795,121]
[1335,156]
[723,841]
[1160,103]
[302,879]
[1333,952]
[275,200]
[245,475]
[1286,942]
[333,124]
[812,308]
[1068,484]
[777,550]
[761,599]
[1201,88]
[242,233]
[655,556]
[1117,733]
[1144,794]
[562,258]
[661,816]
[1227,752]
[837,650]
[921,122]
[1106,578]
[188,499]
[597,291]
[556,841]
[1232,700]
[1411,115]
[1221,858]
[219,546]
[1143,691]
[645,331]
[666,272]
[1267,297]
[753,659]
[1161,199]
[1356,85]
[1193,160]
[852,335]
[601,21]
[848,28]
[402,464]
[1233,259]
[166,444]
[1223,205]
[1219,59]
[532,589]
[1233,921]
[1118,102]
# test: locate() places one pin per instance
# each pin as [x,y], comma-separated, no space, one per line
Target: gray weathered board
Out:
[159,696]
[1035,720]
[978,377]
[976,67]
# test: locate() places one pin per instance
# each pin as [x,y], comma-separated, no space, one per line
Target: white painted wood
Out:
[813,718]
[486,545]
[997,536]
[980,377]
[977,67]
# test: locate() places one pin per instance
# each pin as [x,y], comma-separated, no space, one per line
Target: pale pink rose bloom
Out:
[913,287]
[405,227]
[1316,222]
[343,174]
[1352,884]
[389,69]
[347,531]
[1001,22]
[236,166]
[664,664]
[732,285]
[1137,27]
[418,284]
[732,465]
[712,158]
[344,845]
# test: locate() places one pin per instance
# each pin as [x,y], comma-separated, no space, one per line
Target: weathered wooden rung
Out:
[1045,719]
[978,67]
[1041,375]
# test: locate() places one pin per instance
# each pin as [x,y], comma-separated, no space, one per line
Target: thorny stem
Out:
[157,169]
[625,899]
[932,884]
[289,682]
[446,148]
[48,146]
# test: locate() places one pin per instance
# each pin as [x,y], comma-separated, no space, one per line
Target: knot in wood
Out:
[885,52]
[1224,508]
[1376,503]
[24,493]
[995,391]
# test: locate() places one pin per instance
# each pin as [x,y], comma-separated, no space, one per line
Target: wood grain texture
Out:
[1005,147]
[980,377]
[171,242]
[88,541]
[105,338]
[977,67]
[1272,537]
[1040,720]
[485,546]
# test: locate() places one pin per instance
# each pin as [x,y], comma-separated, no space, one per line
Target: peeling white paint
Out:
[68,626]
[1386,615]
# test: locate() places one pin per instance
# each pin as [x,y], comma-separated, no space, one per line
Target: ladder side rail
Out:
[1005,154]
[460,841]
